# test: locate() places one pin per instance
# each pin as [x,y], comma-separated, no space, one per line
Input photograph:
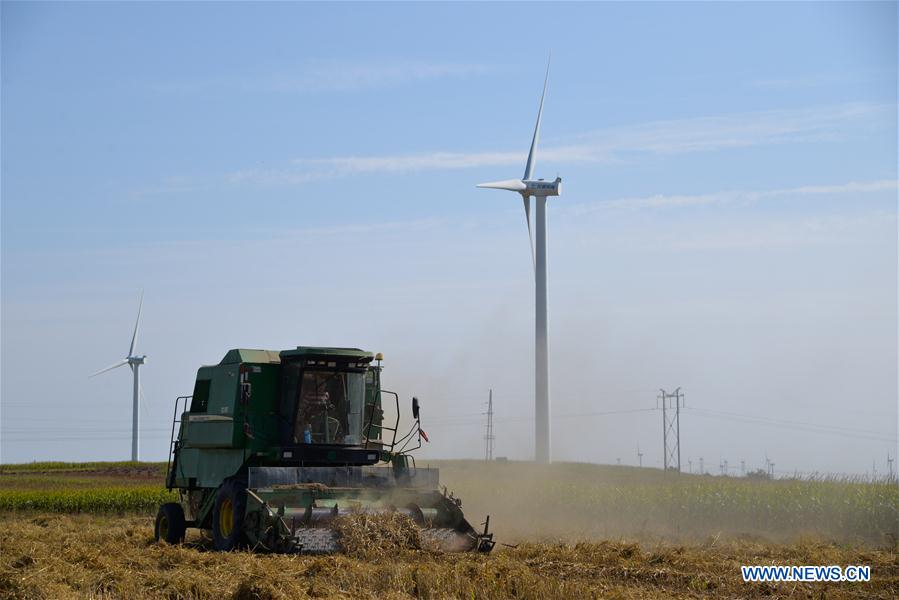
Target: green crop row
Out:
[82,466]
[102,500]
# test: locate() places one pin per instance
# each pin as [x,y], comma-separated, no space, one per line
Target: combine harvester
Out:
[274,447]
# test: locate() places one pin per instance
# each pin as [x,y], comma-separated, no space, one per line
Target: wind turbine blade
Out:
[532,155]
[527,217]
[122,362]
[513,185]
[136,325]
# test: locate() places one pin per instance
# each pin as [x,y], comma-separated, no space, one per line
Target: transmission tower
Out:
[489,438]
[671,405]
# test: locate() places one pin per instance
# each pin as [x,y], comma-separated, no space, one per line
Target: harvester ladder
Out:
[172,459]
[382,427]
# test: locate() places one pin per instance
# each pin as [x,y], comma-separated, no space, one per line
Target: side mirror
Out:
[414,408]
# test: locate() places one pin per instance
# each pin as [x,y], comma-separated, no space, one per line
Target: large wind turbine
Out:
[133,361]
[527,186]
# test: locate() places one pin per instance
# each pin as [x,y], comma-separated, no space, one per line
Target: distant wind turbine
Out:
[527,186]
[133,361]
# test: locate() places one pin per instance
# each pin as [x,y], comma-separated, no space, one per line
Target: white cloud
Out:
[324,168]
[737,130]
[855,223]
[679,200]
[704,134]
[834,230]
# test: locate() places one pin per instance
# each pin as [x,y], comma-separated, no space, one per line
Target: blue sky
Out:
[283,174]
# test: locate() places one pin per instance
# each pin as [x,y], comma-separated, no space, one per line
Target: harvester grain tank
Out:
[272,448]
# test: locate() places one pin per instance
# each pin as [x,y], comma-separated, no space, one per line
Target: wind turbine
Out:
[527,186]
[133,361]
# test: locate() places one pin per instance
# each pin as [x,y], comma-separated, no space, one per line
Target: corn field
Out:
[103,500]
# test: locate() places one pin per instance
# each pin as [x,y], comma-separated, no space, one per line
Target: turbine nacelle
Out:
[541,187]
[527,187]
[137,360]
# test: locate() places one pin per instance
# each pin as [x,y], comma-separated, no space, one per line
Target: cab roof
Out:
[304,351]
[245,355]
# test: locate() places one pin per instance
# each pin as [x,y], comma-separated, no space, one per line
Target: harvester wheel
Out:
[170,526]
[228,514]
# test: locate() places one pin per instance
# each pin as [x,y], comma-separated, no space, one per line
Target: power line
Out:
[785,421]
[6,440]
[43,419]
[4,432]
[585,414]
[471,422]
[795,425]
[469,418]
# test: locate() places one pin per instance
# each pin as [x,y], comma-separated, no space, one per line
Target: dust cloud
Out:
[574,502]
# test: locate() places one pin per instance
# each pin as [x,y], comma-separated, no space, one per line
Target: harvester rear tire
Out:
[228,515]
[170,525]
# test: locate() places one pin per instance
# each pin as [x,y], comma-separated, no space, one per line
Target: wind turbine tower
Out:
[134,361]
[527,186]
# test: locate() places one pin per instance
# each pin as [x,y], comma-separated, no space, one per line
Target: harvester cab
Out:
[273,448]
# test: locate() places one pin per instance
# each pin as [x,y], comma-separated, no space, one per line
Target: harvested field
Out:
[363,535]
[58,556]
[578,530]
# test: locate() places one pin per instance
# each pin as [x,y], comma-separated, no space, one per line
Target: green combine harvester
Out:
[273,447]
